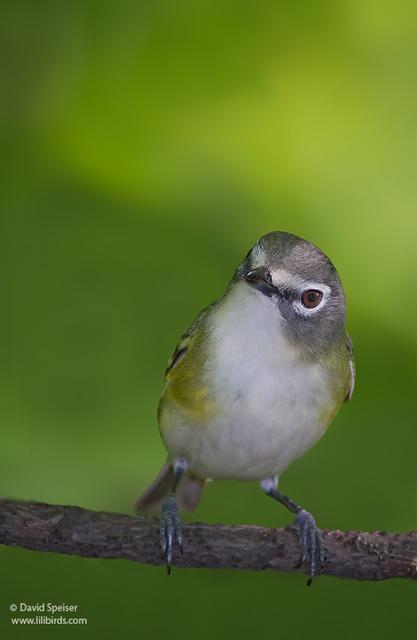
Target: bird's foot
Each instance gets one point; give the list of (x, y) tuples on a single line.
[(170, 530), (311, 542)]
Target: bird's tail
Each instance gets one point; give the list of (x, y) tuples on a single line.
[(188, 492)]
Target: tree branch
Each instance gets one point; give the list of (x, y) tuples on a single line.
[(95, 534)]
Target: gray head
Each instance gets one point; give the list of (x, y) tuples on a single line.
[(300, 280)]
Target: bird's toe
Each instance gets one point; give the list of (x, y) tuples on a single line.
[(170, 530), (311, 542)]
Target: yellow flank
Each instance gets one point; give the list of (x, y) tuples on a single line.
[(327, 414), (193, 401), (187, 392), (340, 375)]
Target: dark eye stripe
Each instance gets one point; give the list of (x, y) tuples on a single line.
[(286, 293)]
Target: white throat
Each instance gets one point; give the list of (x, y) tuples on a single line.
[(249, 329)]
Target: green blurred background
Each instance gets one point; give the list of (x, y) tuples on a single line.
[(146, 147)]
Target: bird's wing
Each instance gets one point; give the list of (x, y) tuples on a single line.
[(185, 342), (352, 367), (190, 487)]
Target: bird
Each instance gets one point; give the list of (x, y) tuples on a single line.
[(253, 384)]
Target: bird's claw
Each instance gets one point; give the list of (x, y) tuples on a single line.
[(170, 531), (311, 542)]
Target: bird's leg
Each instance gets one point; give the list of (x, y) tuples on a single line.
[(170, 530), (309, 534)]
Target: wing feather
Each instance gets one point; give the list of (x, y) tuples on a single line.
[(185, 342), (352, 367)]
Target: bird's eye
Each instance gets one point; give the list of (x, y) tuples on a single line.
[(311, 298)]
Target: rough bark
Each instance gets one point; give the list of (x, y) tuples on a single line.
[(94, 534)]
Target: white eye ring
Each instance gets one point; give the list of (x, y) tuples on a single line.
[(301, 309)]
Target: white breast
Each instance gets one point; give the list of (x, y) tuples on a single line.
[(269, 400)]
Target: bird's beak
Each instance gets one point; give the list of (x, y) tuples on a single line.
[(260, 279)]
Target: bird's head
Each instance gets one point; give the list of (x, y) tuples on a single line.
[(303, 285)]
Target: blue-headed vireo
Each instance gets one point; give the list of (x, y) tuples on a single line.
[(254, 383)]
